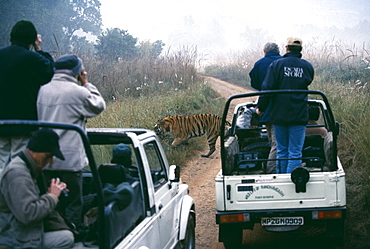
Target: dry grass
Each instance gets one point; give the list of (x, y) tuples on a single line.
[(144, 111)]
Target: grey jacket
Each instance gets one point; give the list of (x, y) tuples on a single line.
[(63, 100), (22, 209)]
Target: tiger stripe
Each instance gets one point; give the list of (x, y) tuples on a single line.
[(184, 128)]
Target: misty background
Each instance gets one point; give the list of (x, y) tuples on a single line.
[(220, 27), (216, 28)]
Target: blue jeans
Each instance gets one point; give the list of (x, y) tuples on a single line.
[(289, 143)]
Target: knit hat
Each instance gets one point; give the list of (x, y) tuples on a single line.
[(69, 62), (294, 41), (23, 33), (122, 154), (45, 140)]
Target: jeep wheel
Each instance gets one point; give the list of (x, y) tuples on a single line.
[(335, 232), (189, 241), (232, 237)]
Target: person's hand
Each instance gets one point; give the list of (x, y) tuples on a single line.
[(259, 112), (37, 43), (56, 186), (82, 77)]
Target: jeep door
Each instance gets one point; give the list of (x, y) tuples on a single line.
[(165, 199)]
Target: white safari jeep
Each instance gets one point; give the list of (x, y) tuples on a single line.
[(142, 205), (313, 194)]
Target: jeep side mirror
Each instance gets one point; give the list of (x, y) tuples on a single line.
[(174, 174), (337, 128)]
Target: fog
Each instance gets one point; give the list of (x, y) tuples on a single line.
[(222, 26)]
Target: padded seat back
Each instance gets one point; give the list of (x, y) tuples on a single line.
[(314, 147), (112, 173)]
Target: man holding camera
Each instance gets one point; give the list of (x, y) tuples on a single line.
[(22, 72), (22, 209), (69, 98)]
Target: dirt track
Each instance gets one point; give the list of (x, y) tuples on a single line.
[(199, 174)]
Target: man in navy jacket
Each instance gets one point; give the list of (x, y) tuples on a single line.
[(22, 72), (288, 111), (258, 74), (259, 70)]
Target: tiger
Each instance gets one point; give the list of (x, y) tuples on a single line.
[(184, 128)]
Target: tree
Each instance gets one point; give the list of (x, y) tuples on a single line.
[(116, 44), (157, 48), (152, 50), (56, 21)]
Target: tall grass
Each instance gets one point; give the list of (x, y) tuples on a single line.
[(140, 92), (144, 111), (174, 70), (351, 107)]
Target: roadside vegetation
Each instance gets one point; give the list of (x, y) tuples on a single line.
[(342, 72), (141, 90)]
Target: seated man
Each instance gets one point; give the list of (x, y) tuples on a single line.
[(122, 155), (118, 171), (22, 209), (313, 117)]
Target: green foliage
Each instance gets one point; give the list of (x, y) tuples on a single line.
[(57, 21), (350, 105), (139, 92), (151, 50), (144, 111), (116, 44)]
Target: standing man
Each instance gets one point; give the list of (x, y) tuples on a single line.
[(257, 76), (289, 113), (22, 209), (69, 98), (22, 72), (259, 70)]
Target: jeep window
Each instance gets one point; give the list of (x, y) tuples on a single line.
[(157, 168)]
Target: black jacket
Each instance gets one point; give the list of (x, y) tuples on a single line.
[(290, 72), (22, 72), (259, 70)]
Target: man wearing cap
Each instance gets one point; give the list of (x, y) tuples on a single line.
[(22, 72), (121, 154), (22, 209), (69, 98), (289, 113)]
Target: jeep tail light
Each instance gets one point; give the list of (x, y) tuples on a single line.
[(229, 218), (329, 214)]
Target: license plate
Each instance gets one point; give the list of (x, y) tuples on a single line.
[(282, 221)]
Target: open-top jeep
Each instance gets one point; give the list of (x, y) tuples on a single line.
[(313, 194), (143, 205)]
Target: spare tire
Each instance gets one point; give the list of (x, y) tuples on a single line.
[(263, 150), (262, 147)]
